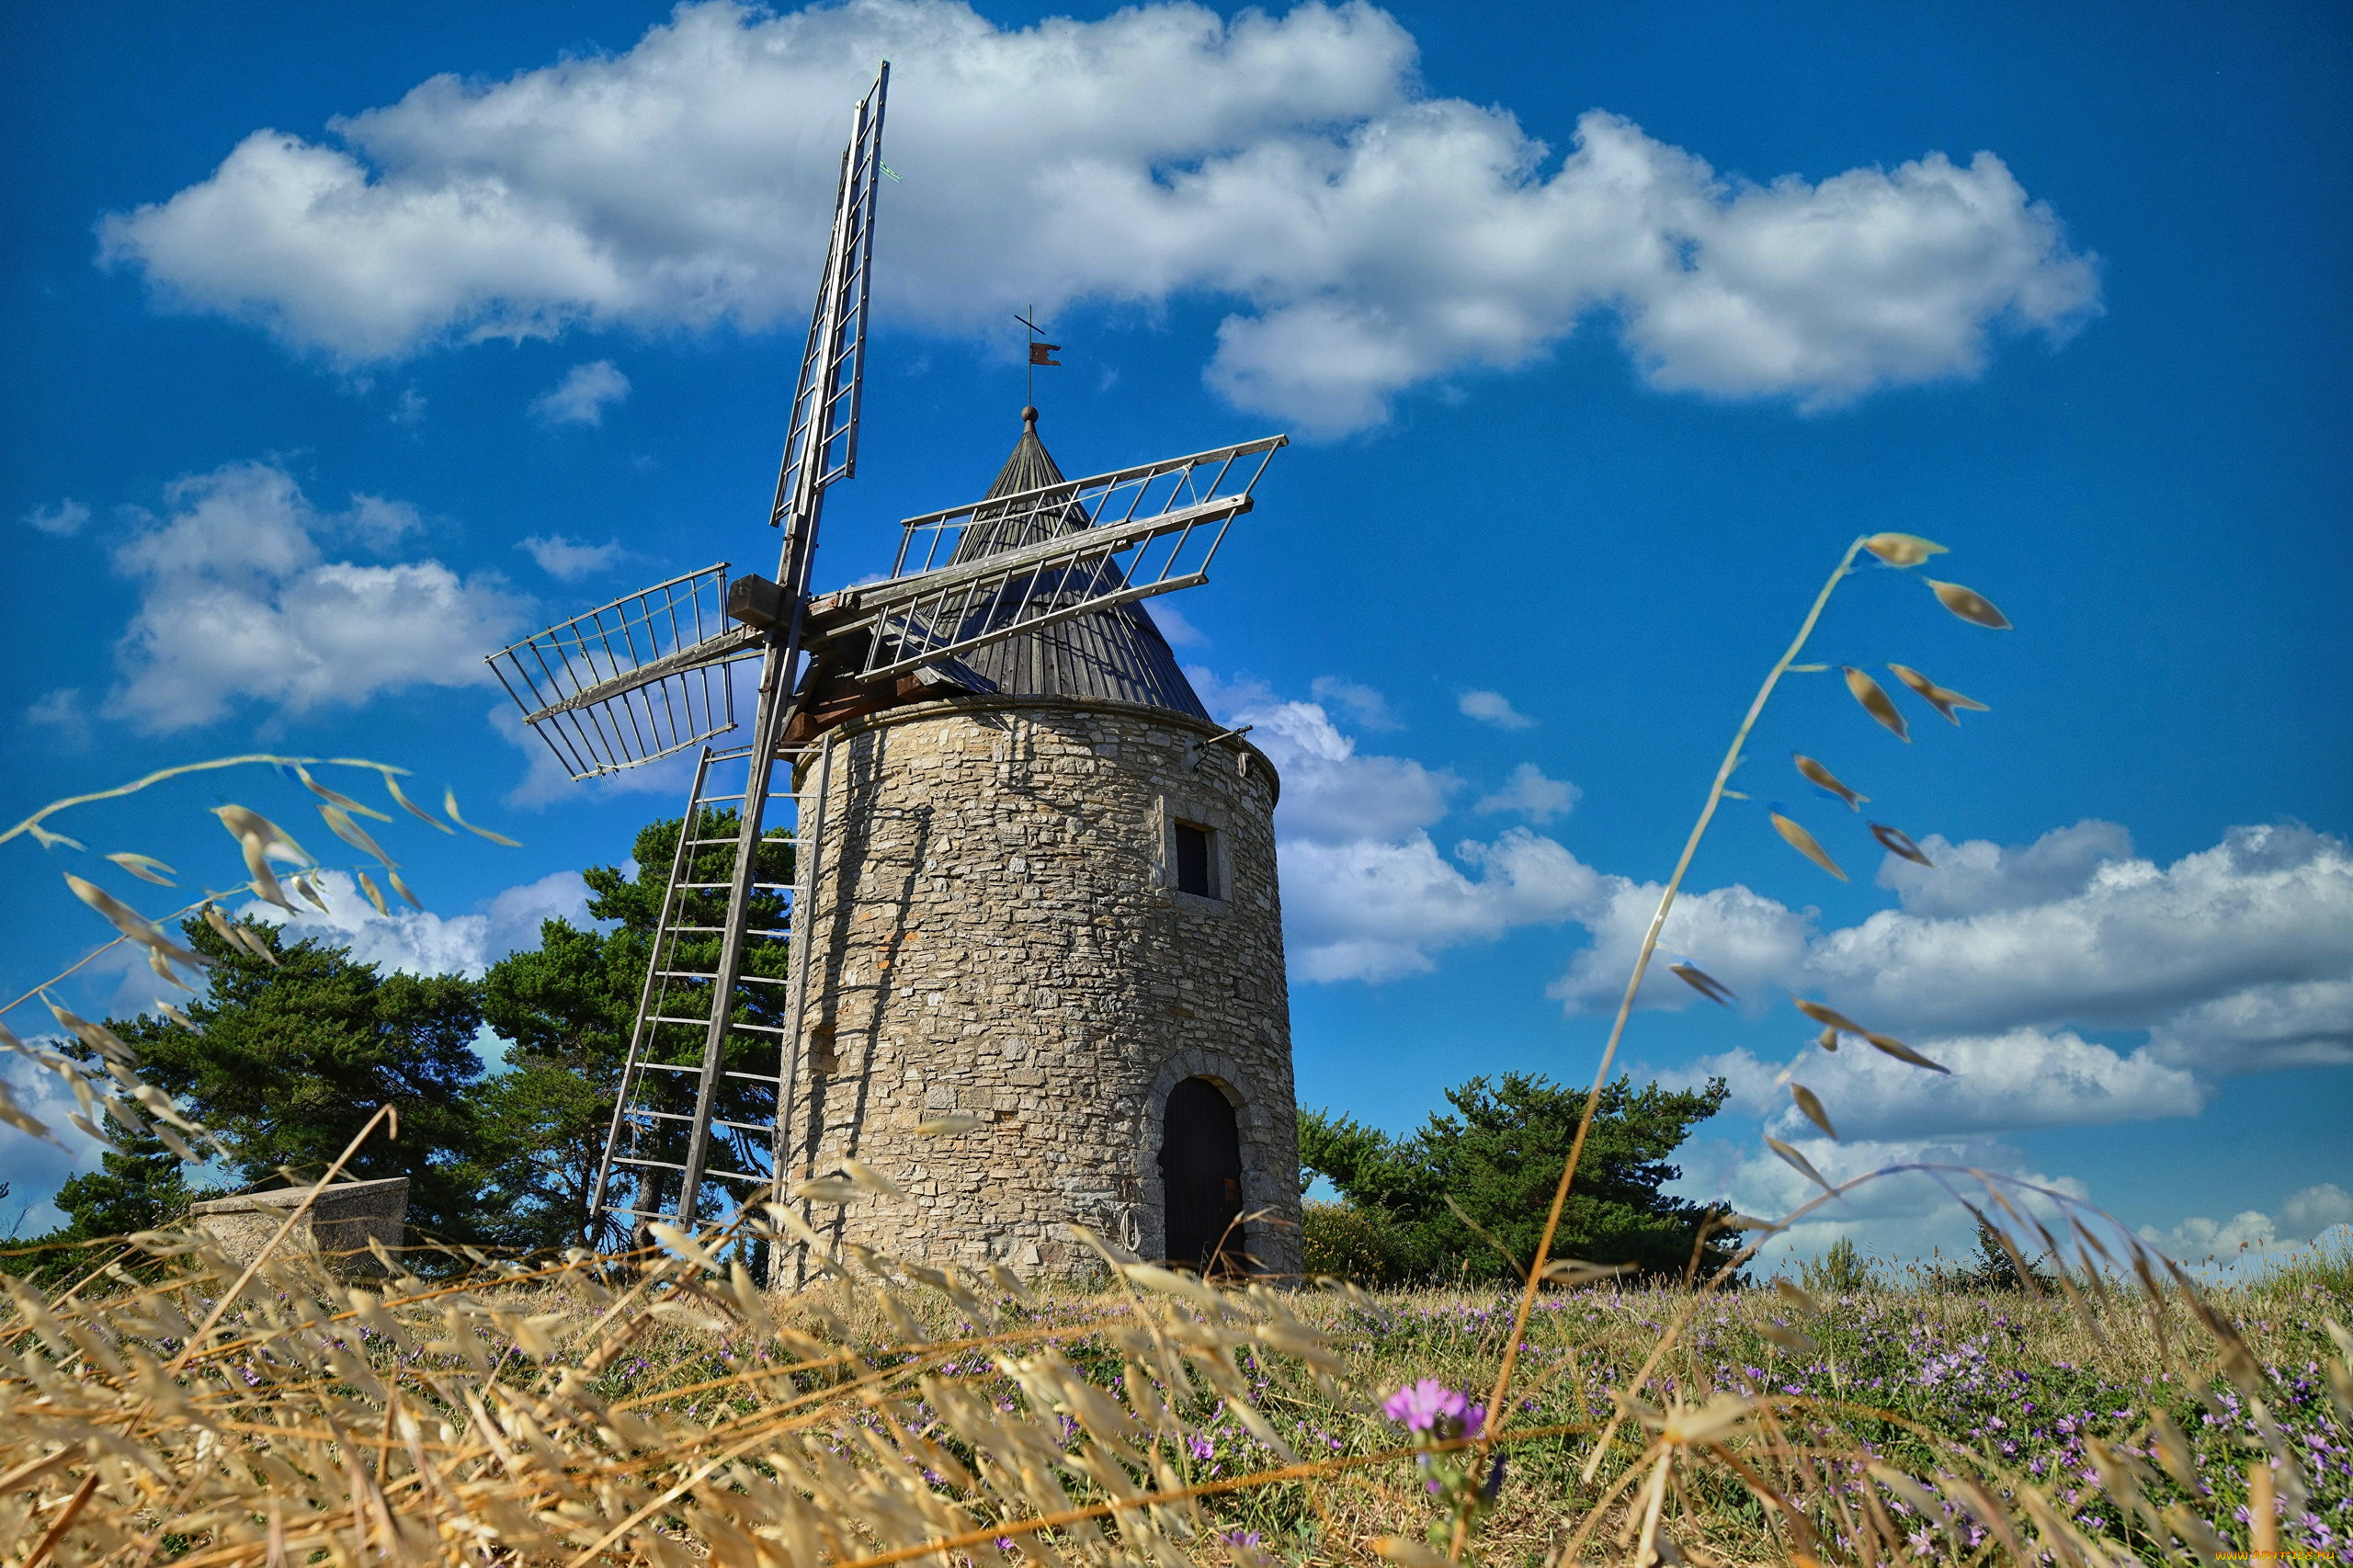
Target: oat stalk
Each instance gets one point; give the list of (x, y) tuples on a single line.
[(1499, 1410)]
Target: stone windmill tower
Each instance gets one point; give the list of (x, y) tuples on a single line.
[(1048, 900), (988, 902)]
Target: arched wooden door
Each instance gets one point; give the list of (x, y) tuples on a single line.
[(1200, 1173)]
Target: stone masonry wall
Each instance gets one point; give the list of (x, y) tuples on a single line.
[(997, 933)]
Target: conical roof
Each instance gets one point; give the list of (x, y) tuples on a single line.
[(1116, 654)]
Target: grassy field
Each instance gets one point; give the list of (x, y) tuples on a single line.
[(592, 1413), (166, 1404)]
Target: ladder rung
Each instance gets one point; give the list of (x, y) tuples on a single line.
[(656, 1165), (766, 1078), (763, 1028), (665, 1018), (742, 980), (656, 1115), (671, 1067), (712, 929), (716, 887), (707, 799), (745, 1126), (737, 1175)]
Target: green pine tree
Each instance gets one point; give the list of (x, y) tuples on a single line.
[(290, 1061), (1498, 1158), (143, 1188)]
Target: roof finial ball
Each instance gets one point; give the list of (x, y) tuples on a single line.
[(1029, 415)]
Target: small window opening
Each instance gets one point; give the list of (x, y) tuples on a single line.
[(1195, 866)]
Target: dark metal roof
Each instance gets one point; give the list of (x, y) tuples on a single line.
[(1116, 653)]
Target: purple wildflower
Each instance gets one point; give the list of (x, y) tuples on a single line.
[(1420, 1406), (1430, 1407)]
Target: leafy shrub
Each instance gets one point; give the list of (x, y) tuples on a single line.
[(1343, 1241), (1841, 1271), (1470, 1187), (1995, 1270)]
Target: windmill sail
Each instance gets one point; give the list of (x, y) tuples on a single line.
[(632, 680), (1012, 564), (639, 678), (698, 1121), (627, 683), (821, 441)]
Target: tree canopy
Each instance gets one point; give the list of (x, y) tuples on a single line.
[(1499, 1157), (291, 1059), (140, 1185)]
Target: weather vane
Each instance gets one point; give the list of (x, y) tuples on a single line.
[(1040, 353)]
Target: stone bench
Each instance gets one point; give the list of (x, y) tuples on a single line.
[(347, 1216)]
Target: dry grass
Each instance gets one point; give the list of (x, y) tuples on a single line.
[(171, 1406), (590, 1412)]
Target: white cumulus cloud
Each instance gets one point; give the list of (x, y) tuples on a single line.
[(1741, 937), (1370, 909), (568, 560), (1371, 238), (1979, 876), (64, 519), (238, 601), (1367, 892), (582, 397), (413, 942), (1332, 793), (1532, 795), (2233, 960), (2026, 1078), (2288, 1024), (2253, 1238), (2133, 945), (1493, 707)]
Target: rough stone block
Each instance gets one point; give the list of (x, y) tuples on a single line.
[(337, 1230)]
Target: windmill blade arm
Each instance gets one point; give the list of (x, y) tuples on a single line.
[(821, 435), (736, 642), (852, 608), (911, 662), (632, 680), (908, 623), (1091, 493)]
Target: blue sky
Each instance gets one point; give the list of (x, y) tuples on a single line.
[(346, 349)]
